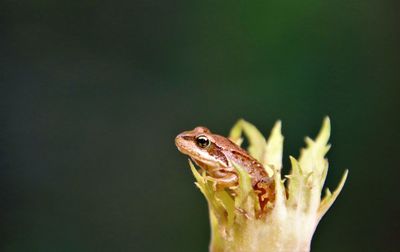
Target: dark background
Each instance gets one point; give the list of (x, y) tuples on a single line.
[(94, 92)]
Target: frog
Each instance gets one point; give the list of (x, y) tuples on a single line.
[(216, 156)]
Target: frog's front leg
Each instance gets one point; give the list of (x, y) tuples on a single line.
[(224, 179)]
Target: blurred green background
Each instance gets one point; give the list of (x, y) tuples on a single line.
[(94, 92)]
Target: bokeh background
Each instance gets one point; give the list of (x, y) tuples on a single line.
[(94, 92)]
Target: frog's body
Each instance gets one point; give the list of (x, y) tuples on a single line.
[(215, 154)]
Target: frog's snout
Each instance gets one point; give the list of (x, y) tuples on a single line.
[(179, 141), (183, 142)]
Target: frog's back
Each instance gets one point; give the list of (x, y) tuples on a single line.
[(240, 156)]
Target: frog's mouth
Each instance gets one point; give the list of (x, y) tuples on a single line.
[(198, 162), (183, 149)]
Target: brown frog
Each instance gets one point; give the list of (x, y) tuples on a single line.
[(215, 154)]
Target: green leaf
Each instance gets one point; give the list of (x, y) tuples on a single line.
[(312, 157), (246, 198), (274, 148), (329, 198), (219, 202)]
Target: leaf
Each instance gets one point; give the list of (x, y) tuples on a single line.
[(312, 157), (297, 185), (274, 148), (329, 198), (246, 198), (219, 201)]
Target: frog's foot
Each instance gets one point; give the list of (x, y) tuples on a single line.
[(242, 211), (214, 182), (232, 193), (234, 188), (223, 180)]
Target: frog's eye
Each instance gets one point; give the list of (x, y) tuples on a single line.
[(202, 141)]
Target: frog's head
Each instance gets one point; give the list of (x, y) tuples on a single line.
[(199, 144)]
